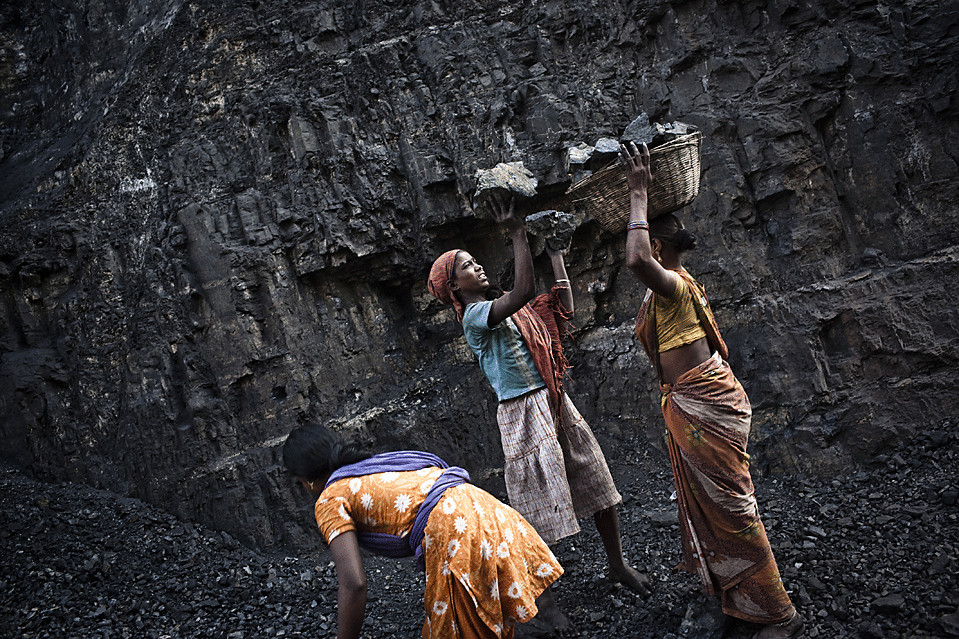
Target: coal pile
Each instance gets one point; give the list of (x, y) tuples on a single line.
[(872, 553)]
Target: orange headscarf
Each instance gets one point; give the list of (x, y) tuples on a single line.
[(441, 274)]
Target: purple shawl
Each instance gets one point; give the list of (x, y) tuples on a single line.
[(391, 545)]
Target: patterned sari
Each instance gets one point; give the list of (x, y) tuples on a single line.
[(708, 419), (485, 565)]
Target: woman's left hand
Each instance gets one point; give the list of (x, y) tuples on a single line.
[(551, 252)]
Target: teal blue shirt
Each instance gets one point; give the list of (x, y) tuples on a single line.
[(502, 353)]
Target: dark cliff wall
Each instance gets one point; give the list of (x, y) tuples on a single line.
[(217, 221)]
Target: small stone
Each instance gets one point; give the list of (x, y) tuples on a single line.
[(639, 131), (605, 151), (663, 518), (938, 438), (815, 584), (939, 564), (950, 624), (871, 630), (579, 154), (703, 621), (606, 145), (889, 604)]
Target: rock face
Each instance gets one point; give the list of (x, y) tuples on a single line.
[(217, 221)]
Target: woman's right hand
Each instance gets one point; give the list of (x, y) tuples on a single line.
[(639, 172), (503, 212)]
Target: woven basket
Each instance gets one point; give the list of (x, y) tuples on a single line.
[(604, 195)]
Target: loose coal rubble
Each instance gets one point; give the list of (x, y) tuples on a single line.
[(583, 159), (869, 554), (641, 131)]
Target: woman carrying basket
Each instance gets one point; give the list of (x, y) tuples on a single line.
[(707, 416)]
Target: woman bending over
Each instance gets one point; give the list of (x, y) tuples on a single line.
[(485, 566)]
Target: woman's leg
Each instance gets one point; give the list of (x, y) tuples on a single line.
[(593, 491), (607, 523)]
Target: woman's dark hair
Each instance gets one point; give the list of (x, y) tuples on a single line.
[(667, 228), (312, 451)]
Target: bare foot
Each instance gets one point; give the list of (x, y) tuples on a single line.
[(535, 628), (549, 612), (632, 579), (554, 618), (789, 629)]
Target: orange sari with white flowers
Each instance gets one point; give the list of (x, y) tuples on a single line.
[(485, 565)]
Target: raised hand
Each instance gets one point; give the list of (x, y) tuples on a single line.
[(523, 283), (639, 173), (555, 253), (504, 213)]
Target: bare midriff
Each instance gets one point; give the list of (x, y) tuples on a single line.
[(677, 361)]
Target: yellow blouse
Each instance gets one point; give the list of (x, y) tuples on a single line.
[(676, 321)]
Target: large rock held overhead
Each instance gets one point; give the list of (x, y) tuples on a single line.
[(510, 179)]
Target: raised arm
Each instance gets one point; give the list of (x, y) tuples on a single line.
[(559, 275), (351, 591), (523, 284), (639, 252)]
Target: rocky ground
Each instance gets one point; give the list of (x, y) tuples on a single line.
[(873, 553)]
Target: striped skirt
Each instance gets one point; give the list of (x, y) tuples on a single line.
[(555, 471)]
